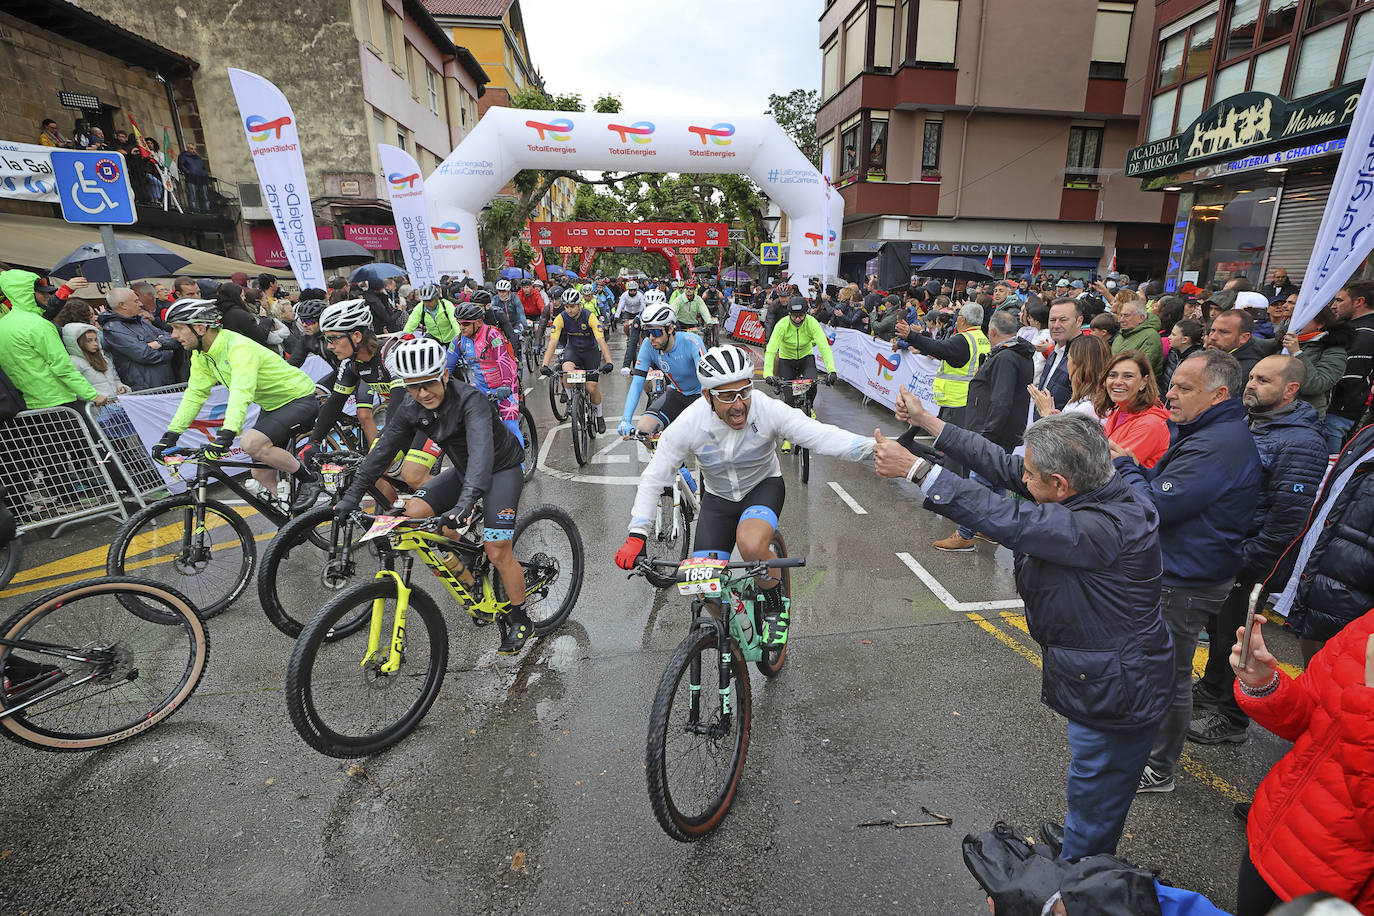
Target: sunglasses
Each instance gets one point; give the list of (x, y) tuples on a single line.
[(655, 333), (331, 338), (468, 324), (414, 387), (730, 397)]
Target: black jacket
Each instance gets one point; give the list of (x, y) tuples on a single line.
[(1247, 354), (466, 426), (997, 397), (238, 319), (1351, 394), (1293, 455), (1089, 571), (955, 349)]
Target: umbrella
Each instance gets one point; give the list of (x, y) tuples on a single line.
[(556, 270), (342, 252), (952, 267), (375, 272), (515, 273), (735, 274), (138, 257), (704, 269)]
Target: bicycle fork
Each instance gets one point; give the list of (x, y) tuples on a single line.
[(398, 624), (724, 676)]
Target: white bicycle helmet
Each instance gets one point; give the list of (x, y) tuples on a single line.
[(194, 311), (538, 284), (571, 296), (421, 357), (655, 297), (427, 291), (632, 286), (503, 286), (348, 315), (723, 365), (658, 315), (588, 290)]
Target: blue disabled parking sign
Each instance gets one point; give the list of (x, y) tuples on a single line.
[(94, 187)]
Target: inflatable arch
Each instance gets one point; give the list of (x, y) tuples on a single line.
[(507, 140)]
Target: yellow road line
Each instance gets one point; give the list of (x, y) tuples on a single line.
[(1015, 645)]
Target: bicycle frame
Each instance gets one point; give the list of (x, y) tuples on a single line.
[(208, 469), (45, 688)]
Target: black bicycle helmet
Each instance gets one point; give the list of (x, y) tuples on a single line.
[(481, 297), (310, 309), (468, 311)]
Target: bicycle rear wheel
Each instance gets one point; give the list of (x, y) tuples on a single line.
[(694, 758), (670, 539), (548, 546), (531, 434), (139, 671), (295, 558), (162, 538), (582, 443), (773, 659), (344, 708), (560, 410)]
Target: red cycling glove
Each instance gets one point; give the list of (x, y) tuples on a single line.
[(630, 551)]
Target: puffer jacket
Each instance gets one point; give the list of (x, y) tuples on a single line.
[(1089, 572), (998, 401), (141, 366), (1292, 452), (107, 382), (1338, 582), (1145, 339), (31, 351), (1312, 824)]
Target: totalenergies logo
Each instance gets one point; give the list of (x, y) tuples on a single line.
[(886, 367), (639, 131), (403, 182), (720, 134), (558, 130), (446, 232), (259, 127)]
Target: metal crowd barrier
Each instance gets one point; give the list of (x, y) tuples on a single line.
[(127, 453), (53, 468)]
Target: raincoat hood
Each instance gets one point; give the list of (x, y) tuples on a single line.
[(18, 288), (71, 334)]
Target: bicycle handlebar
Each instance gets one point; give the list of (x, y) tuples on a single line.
[(646, 564)]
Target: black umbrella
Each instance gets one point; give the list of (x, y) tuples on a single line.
[(342, 252), (137, 257), (952, 267)]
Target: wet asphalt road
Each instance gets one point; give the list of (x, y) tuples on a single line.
[(894, 697)]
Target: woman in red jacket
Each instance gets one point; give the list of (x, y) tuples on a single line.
[(1312, 825), (1129, 399)]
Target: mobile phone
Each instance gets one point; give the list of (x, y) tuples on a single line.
[(1250, 624)]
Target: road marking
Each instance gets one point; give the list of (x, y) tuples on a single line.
[(849, 501), (1015, 645), (609, 459), (577, 477), (955, 605)]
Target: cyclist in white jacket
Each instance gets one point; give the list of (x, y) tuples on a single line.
[(734, 431)]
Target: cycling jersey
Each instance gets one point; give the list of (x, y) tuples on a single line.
[(488, 366), (679, 367), (630, 306), (582, 332), (734, 461), (691, 312), (438, 322), (792, 342), (532, 302), (514, 312), (252, 373), (351, 373)]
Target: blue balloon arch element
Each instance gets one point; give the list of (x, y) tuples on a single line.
[(508, 140)]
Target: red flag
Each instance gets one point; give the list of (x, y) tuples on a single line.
[(720, 260), (988, 263), (1113, 267), (691, 265), (510, 258), (538, 264), (1035, 263), (1006, 264), (563, 257)]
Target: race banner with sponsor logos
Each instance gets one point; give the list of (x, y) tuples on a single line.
[(26, 172), (877, 372), (630, 235), (507, 140), (746, 324), (270, 126), (407, 191)]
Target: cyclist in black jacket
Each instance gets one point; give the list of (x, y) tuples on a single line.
[(486, 459)]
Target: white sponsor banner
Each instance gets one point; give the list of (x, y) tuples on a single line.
[(877, 372), (26, 172), (270, 126), (507, 140), (1346, 235), (407, 190), (151, 414)]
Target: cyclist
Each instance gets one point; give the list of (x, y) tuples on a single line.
[(486, 465), (692, 313), (310, 340), (673, 353), (363, 373), (792, 343), (496, 317), (532, 299), (733, 431), (584, 337), (605, 300), (479, 348), (627, 311), (514, 312), (254, 375), (590, 301), (433, 315)]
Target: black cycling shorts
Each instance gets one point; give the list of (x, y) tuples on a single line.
[(499, 504), (588, 358), (795, 368), (720, 517), (292, 419), (669, 405)]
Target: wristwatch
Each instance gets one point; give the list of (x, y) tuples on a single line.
[(919, 471)]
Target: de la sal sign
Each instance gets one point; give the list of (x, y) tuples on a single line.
[(630, 235), (1249, 121)]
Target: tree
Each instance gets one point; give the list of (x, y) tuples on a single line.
[(796, 115)]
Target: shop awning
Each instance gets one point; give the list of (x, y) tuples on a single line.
[(38, 243)]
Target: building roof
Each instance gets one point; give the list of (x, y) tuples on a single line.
[(84, 28), (485, 9), (444, 41)]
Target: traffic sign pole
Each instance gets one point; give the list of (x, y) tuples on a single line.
[(107, 239)]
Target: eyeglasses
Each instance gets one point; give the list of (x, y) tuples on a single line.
[(414, 387), (331, 338), (730, 397), (655, 333)]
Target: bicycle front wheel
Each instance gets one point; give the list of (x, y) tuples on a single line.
[(120, 673), (670, 539), (548, 547), (212, 565), (560, 410), (344, 704), (531, 434), (295, 558), (698, 736), (582, 443)]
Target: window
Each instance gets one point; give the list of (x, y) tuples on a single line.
[(903, 21), (389, 34), (930, 149), (1171, 59), (1269, 67), (1199, 58), (855, 39), (1317, 59), (1361, 50), (1161, 116), (1085, 149), (1190, 99), (828, 153), (378, 127), (362, 18), (877, 145), (849, 145), (1279, 19), (1240, 26), (830, 68), (937, 26), (1326, 10), (402, 137), (883, 17), (432, 84), (1112, 33)]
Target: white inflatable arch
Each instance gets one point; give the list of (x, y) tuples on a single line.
[(507, 140)]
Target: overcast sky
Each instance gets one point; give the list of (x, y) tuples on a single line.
[(714, 57)]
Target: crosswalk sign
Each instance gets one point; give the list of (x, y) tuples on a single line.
[(770, 254)]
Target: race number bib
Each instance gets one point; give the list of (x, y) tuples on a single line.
[(700, 576), (576, 377)]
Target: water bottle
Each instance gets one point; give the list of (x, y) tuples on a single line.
[(455, 565), (745, 620)]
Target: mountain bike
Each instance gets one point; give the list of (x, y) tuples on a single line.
[(355, 695), (801, 394), (558, 394), (699, 723), (532, 345), (528, 431), (671, 535), (79, 671), (580, 412)]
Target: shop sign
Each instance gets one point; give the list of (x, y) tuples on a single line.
[(1245, 121), (268, 250), (1278, 158), (923, 247), (374, 238)]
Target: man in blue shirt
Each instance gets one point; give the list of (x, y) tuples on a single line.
[(673, 353)]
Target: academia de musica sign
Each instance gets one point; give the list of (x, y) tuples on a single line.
[(1246, 121)]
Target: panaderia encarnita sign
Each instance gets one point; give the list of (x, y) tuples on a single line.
[(1245, 121)]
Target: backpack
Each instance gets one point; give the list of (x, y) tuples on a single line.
[(11, 398)]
